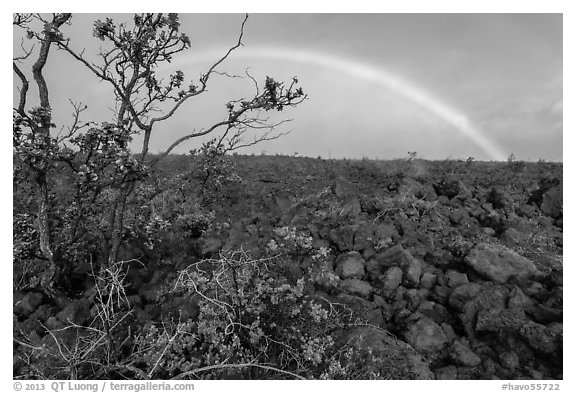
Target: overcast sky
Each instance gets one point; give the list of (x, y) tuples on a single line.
[(379, 85)]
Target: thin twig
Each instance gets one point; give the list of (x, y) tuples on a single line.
[(243, 365)]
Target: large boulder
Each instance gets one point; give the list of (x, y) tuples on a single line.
[(356, 287), (552, 202), (392, 280), (499, 263), (395, 256), (426, 336), (350, 265), (412, 269)]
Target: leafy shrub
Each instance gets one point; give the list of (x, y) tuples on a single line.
[(253, 323), (194, 224), (215, 171), (25, 236), (292, 241), (514, 164)]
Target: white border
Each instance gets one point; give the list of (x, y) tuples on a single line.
[(308, 6)]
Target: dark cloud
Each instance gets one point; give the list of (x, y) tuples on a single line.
[(503, 72)]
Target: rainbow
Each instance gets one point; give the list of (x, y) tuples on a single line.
[(368, 73)]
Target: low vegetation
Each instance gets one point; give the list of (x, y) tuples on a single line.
[(263, 283)]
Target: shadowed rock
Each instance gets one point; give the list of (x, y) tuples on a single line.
[(545, 339), (462, 355)]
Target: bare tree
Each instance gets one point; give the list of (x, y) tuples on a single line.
[(128, 61)]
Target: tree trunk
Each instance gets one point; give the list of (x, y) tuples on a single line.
[(44, 233), (118, 224), (43, 131)]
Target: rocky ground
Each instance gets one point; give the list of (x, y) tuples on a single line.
[(459, 264)]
